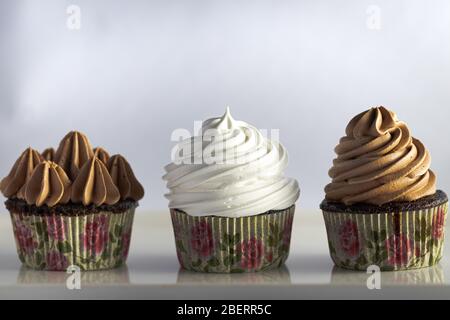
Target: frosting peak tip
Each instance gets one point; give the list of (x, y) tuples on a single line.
[(226, 121), (73, 152), (102, 154), (13, 184), (123, 177)]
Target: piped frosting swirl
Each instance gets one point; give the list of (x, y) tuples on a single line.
[(77, 175), (230, 170), (124, 178), (48, 185), (94, 185), (12, 185), (102, 154), (48, 154), (73, 152), (378, 161)]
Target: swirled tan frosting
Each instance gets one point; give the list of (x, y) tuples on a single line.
[(74, 173), (124, 178), (94, 185), (102, 154), (48, 154), (48, 185), (379, 162), (12, 185), (73, 152)]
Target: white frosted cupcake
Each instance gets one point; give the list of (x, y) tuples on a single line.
[(231, 205)]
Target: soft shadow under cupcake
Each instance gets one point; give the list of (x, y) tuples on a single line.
[(274, 276), (88, 278), (424, 276)]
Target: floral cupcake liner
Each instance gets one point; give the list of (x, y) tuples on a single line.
[(90, 241), (392, 241), (233, 245)]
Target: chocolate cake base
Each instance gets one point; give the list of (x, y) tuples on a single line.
[(70, 209), (434, 200)]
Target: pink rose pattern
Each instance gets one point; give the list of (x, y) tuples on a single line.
[(391, 249), (56, 261), (269, 256), (400, 249), (95, 235), (24, 236), (252, 253), (202, 239), (201, 248), (126, 241), (349, 238), (56, 228), (45, 243), (438, 224)]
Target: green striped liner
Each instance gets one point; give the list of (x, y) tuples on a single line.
[(233, 245), (392, 240)]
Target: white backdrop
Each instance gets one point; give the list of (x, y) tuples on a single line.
[(136, 70)]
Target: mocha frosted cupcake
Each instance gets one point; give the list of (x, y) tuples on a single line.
[(69, 207), (231, 205), (382, 207)]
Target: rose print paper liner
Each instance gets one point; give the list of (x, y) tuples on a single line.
[(392, 241), (233, 245), (92, 241)]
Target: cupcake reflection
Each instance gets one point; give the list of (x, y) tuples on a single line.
[(114, 276), (423, 276), (274, 276)]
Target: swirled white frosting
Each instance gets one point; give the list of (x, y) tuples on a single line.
[(229, 170)]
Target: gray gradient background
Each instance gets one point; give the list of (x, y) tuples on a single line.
[(139, 69)]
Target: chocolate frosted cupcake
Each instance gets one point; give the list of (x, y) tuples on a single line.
[(231, 205), (382, 207), (72, 207)]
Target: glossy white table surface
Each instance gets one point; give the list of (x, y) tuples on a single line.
[(152, 271)]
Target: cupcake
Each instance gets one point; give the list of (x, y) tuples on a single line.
[(72, 206), (231, 205), (382, 207)]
